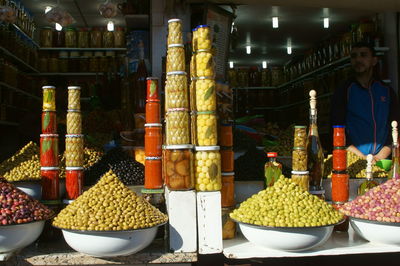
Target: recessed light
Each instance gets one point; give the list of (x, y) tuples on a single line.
[(264, 64), (275, 22), (326, 23), (289, 49), (110, 26), (230, 64), (58, 27), (248, 49), (47, 9)]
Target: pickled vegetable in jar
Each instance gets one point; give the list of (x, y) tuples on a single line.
[(176, 58), (225, 135), (301, 178), (153, 173), (204, 40), (176, 91), (208, 168), (300, 136), (70, 38), (192, 94), (193, 123), (340, 186), (152, 112), (175, 31), (74, 122), (152, 89), (178, 167), (108, 39), (49, 150), (206, 127), (49, 98), (339, 161), (205, 64), (299, 159), (83, 38), (228, 189), (177, 127), (50, 183), (205, 94), (58, 38), (74, 150), (153, 140), (49, 122), (339, 136), (46, 37), (192, 66), (73, 182), (119, 37), (272, 169), (95, 38), (74, 97)]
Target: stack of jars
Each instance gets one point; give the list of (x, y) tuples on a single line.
[(49, 146), (153, 137), (178, 151), (74, 145), (300, 175)]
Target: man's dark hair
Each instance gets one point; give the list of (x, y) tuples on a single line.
[(368, 45)]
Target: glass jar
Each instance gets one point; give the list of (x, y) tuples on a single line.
[(177, 127), (58, 38), (228, 189), (299, 159), (119, 37), (73, 182), (176, 58), (46, 37), (227, 159), (272, 169), (176, 94), (49, 150), (83, 38), (205, 95), (74, 150), (178, 167), (108, 39), (339, 161), (300, 136), (153, 140), (96, 38), (175, 31), (243, 77), (225, 135), (50, 183), (53, 64), (204, 40), (208, 168), (84, 64), (152, 90), (49, 122), (339, 137), (206, 127), (63, 64), (70, 38), (340, 186), (74, 122), (153, 173), (301, 178), (205, 66), (49, 98), (152, 112)]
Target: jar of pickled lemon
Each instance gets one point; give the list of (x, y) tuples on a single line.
[(176, 90), (204, 64), (204, 40), (205, 94), (177, 126), (206, 127), (175, 31), (176, 58), (208, 168)]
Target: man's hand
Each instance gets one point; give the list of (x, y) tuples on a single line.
[(356, 151), (382, 154)]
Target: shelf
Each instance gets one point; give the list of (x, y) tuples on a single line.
[(2, 84), (6, 123), (381, 49), (139, 21), (70, 74), (18, 60), (81, 49), (26, 35), (255, 88)]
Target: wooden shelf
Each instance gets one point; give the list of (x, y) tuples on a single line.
[(18, 60), (81, 49), (2, 84), (6, 123)]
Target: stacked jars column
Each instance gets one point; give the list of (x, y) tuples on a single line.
[(299, 157), (74, 150), (207, 168), (152, 101), (176, 91), (340, 177), (74, 182), (175, 31), (178, 167)]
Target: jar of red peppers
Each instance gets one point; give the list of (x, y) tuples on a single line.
[(225, 135), (153, 173), (49, 150), (339, 136), (49, 122), (340, 186), (73, 182), (152, 89), (152, 112), (153, 139), (339, 159), (50, 183)]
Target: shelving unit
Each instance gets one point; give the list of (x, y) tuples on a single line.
[(81, 49), (2, 84), (26, 35), (18, 60)]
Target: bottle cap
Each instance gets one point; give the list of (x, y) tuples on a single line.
[(272, 154)]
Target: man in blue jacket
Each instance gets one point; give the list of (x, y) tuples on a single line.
[(365, 106)]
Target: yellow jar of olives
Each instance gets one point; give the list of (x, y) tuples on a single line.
[(176, 90), (206, 128), (208, 168), (205, 94), (204, 64), (300, 136), (175, 31), (302, 178), (177, 126), (175, 58), (204, 40), (299, 159)]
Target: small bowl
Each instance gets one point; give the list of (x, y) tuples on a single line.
[(110, 243), (32, 188), (287, 238), (18, 236), (375, 231), (385, 164)]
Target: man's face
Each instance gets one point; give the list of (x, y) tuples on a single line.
[(362, 60)]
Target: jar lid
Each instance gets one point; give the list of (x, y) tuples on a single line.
[(194, 78), (195, 29), (73, 168), (272, 154), (49, 168), (74, 135), (176, 45), (206, 113), (178, 147), (153, 125), (74, 87), (300, 172), (151, 78), (343, 172), (317, 192), (227, 173), (203, 51), (300, 126), (340, 148), (205, 78), (338, 126), (174, 20), (73, 111), (176, 73), (49, 135), (153, 158), (48, 88), (299, 148), (338, 202), (207, 148), (202, 26), (177, 110), (67, 201)]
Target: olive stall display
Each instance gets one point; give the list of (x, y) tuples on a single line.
[(176, 90), (208, 168), (205, 94), (285, 204), (109, 206), (178, 167)]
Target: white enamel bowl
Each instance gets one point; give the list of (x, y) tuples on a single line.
[(32, 188), (379, 232), (18, 236)]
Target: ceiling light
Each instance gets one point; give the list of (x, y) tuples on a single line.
[(110, 26), (264, 64), (289, 49), (47, 9), (326, 23), (275, 22), (230, 64), (58, 27), (248, 49)]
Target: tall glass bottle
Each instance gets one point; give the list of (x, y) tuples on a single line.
[(315, 155), (272, 169), (395, 170)]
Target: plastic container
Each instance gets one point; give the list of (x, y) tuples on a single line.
[(302, 178), (49, 150), (49, 98), (178, 167), (175, 58), (152, 112), (299, 159), (153, 140), (340, 186), (153, 173), (208, 168), (74, 150), (339, 161), (206, 127), (73, 182), (227, 159), (300, 136), (74, 97), (205, 94), (74, 122), (176, 90), (204, 40), (153, 94), (50, 183), (225, 135), (205, 64), (177, 127), (228, 189), (49, 122), (175, 31), (339, 136)]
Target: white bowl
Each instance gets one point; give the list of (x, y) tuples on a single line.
[(379, 232), (14, 237), (32, 188), (110, 243), (287, 238)]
